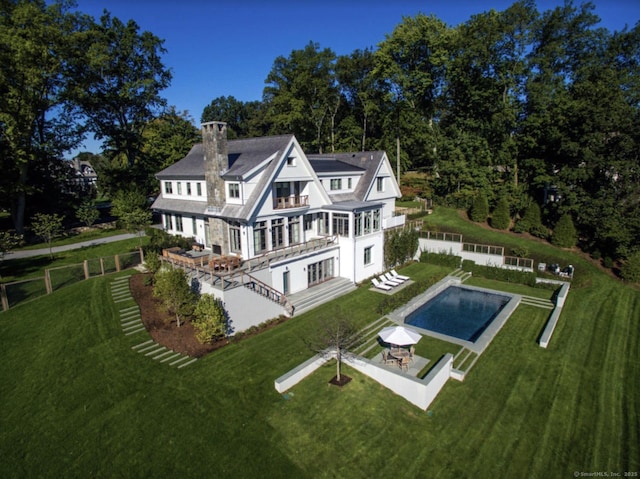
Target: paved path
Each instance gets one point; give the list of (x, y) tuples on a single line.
[(56, 249)]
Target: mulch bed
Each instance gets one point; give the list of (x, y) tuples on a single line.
[(162, 326), (344, 380)]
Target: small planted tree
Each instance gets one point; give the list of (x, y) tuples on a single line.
[(336, 332), (132, 212), (47, 227), (479, 208), (564, 234), (501, 217), (172, 287), (8, 241), (210, 320), (87, 213)]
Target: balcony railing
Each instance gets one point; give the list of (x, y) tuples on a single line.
[(283, 202)]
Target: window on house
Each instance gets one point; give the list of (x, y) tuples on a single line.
[(179, 188), (291, 161), (308, 222), (194, 226), (367, 255), (380, 184), (179, 222), (168, 222), (188, 188), (323, 223), (358, 224), (336, 184), (168, 187), (199, 189), (234, 190), (294, 230), (349, 183), (367, 222), (260, 236), (376, 220), (234, 237), (341, 224), (277, 233)]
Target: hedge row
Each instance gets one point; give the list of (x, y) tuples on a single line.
[(441, 259), (499, 274)]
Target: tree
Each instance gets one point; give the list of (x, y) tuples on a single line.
[(37, 121), (564, 233), (130, 207), (480, 208), (8, 241), (87, 212), (501, 217), (630, 270), (334, 333), (47, 227), (117, 84), (210, 320), (172, 287)]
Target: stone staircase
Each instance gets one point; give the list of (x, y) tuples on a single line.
[(319, 294)]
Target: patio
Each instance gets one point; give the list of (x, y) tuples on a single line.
[(418, 364)]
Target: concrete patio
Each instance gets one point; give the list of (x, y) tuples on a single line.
[(415, 366)]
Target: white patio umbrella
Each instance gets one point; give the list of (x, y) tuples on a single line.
[(399, 335)]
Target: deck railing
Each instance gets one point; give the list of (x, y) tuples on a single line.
[(298, 201)]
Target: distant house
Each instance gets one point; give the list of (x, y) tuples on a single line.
[(85, 174), (295, 220)]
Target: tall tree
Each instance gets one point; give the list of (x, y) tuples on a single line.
[(117, 84), (242, 118), (300, 94), (37, 123)]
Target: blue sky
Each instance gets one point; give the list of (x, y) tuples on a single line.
[(216, 48)]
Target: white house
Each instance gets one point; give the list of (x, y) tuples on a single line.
[(295, 220)]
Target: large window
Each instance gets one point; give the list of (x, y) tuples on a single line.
[(234, 190), (336, 184), (234, 237), (194, 226), (294, 230), (168, 187), (277, 233), (308, 222), (168, 222), (367, 255), (319, 272), (367, 222), (341, 224), (179, 222), (323, 223), (260, 236)]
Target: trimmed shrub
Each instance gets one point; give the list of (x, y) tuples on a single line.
[(400, 246), (501, 274), (479, 208), (210, 320), (564, 234), (501, 217), (389, 303)]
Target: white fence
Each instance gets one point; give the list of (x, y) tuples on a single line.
[(545, 337)]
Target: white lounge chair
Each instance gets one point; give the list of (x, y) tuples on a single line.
[(379, 285), (399, 276), (388, 282), (388, 277)]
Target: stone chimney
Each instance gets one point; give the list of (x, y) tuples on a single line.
[(216, 160)]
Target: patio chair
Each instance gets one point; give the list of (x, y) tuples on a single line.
[(412, 352), (388, 277), (404, 364), (387, 282), (388, 359), (399, 276), (379, 285)]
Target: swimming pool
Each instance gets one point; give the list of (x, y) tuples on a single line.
[(459, 312)]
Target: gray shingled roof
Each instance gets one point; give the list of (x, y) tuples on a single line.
[(369, 161), (330, 165), (244, 156)]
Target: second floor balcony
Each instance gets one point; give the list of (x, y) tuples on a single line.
[(294, 201)]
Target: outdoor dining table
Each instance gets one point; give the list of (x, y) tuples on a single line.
[(400, 353)]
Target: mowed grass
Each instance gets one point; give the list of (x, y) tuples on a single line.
[(79, 402)]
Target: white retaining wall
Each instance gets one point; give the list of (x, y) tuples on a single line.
[(420, 392), (545, 338)]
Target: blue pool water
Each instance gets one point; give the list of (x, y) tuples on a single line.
[(458, 312)]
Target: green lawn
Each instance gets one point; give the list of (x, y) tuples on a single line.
[(79, 402)]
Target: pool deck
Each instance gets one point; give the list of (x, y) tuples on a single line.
[(399, 315)]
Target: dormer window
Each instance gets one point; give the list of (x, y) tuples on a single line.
[(336, 184), (168, 187), (234, 190)]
